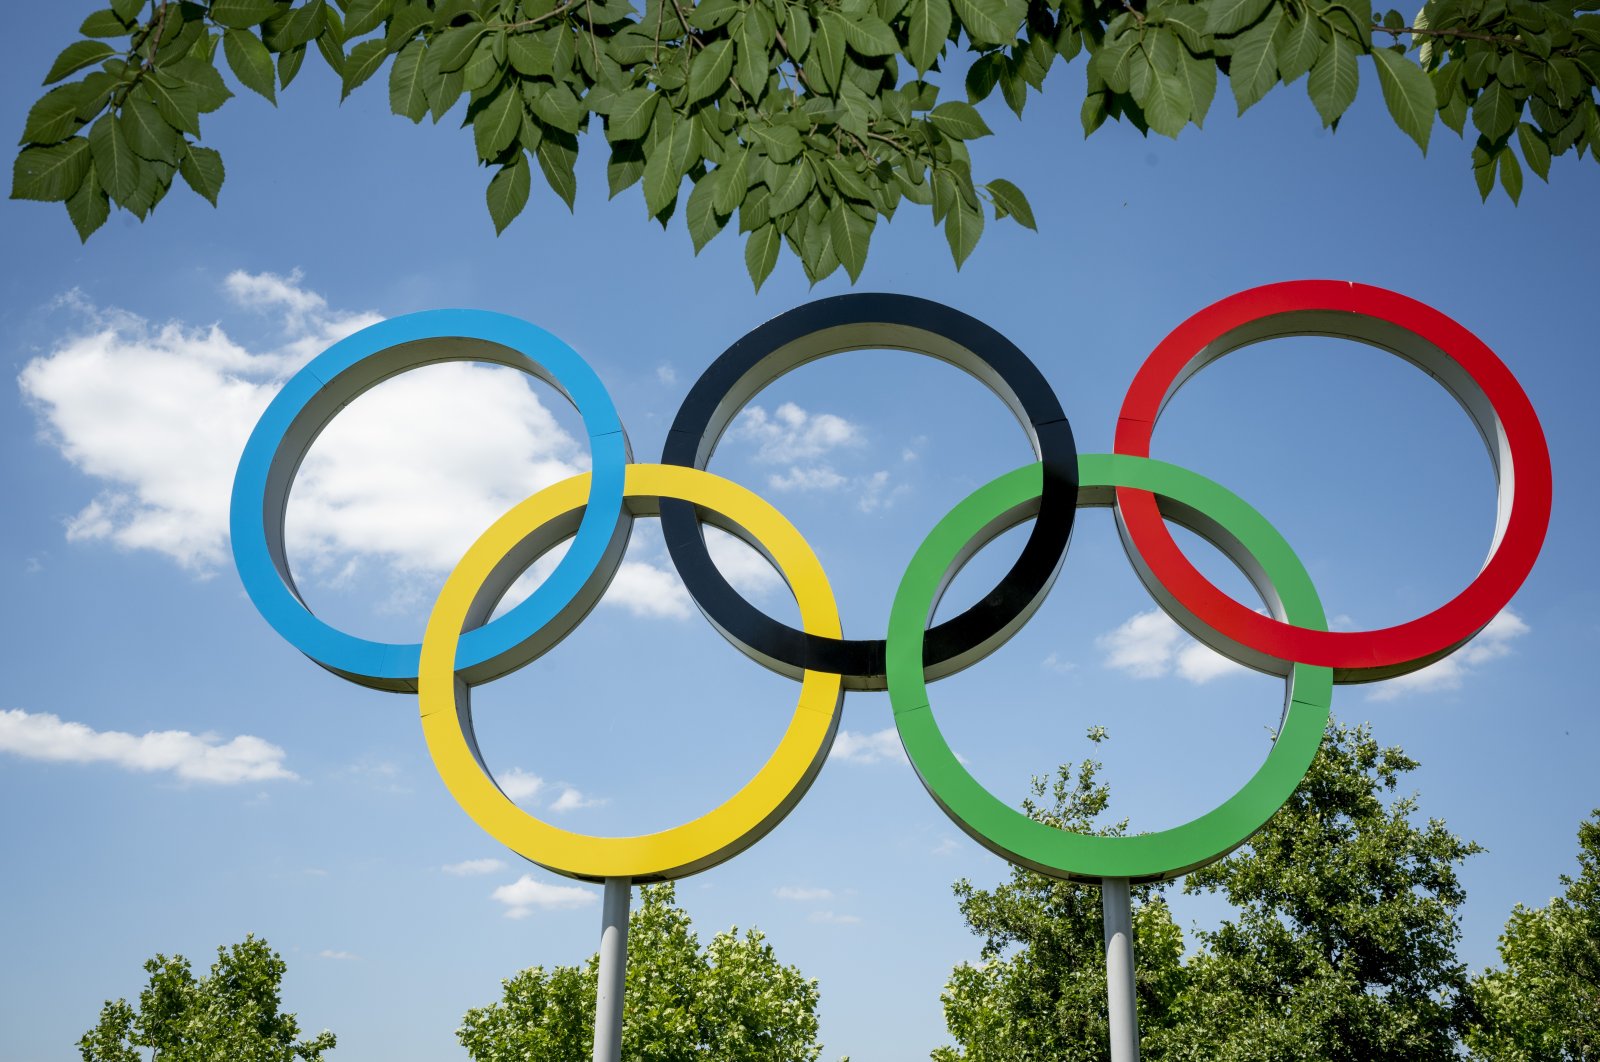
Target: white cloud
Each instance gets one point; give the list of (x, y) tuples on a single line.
[(877, 747), (946, 846), (191, 757), (649, 592), (802, 893), (816, 477), (791, 434), (1149, 645), (572, 800), (1053, 662), (525, 894), (519, 785), (329, 953), (473, 867), (1491, 643), (834, 918), (666, 374)]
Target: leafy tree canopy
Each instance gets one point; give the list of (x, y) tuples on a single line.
[(807, 120), (1343, 948), (1545, 1003), (730, 1000), (231, 1013)]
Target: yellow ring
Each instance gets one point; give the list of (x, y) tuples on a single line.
[(721, 833)]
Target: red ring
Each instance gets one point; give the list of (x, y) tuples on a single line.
[(1302, 308)]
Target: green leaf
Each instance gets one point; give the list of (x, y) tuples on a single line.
[(363, 62), (630, 114), (780, 142), (792, 188), (406, 92), (962, 227), (127, 10), (88, 207), (624, 168), (555, 105), (364, 16), (529, 55), (105, 23), (1224, 17), (1334, 79), (928, 27), (508, 191), (1009, 200), (991, 21), (452, 48), (148, 133), (827, 51), (753, 59), (242, 14), (177, 103), (761, 253), (1534, 150), (200, 76), (75, 57), (495, 125), (1200, 80), (202, 169), (1298, 45), (1495, 112), (50, 174), (731, 186), (869, 35), (1166, 101), (1253, 69), (960, 120), (708, 75), (1510, 174), (701, 215), (846, 181), (54, 117), (300, 26), (250, 61), (1408, 93), (850, 233), (558, 157), (661, 173), (114, 160)]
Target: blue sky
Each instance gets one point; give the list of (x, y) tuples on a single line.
[(176, 776)]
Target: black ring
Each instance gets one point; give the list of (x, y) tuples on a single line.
[(856, 322)]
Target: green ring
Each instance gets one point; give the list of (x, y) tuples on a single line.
[(1207, 509)]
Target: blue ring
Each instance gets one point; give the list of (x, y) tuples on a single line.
[(336, 377)]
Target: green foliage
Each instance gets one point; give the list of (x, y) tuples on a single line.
[(730, 1000), (1038, 991), (832, 103), (231, 1013), (1343, 947), (1545, 1003)]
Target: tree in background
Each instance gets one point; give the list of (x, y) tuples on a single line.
[(1038, 993), (1545, 1003), (1344, 947), (808, 119), (231, 1013), (731, 1000)]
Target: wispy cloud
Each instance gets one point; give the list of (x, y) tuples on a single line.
[(1492, 643), (1054, 662), (1150, 646), (834, 918), (471, 868), (519, 785), (790, 433), (802, 893), (946, 846), (191, 757), (526, 895), (877, 747), (329, 953), (573, 800)]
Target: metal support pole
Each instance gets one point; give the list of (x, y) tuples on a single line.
[(1116, 905), (613, 970)]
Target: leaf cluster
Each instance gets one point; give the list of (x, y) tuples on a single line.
[(808, 121), (730, 1000), (232, 1012)]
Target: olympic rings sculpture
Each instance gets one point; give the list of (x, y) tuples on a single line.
[(462, 647)]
